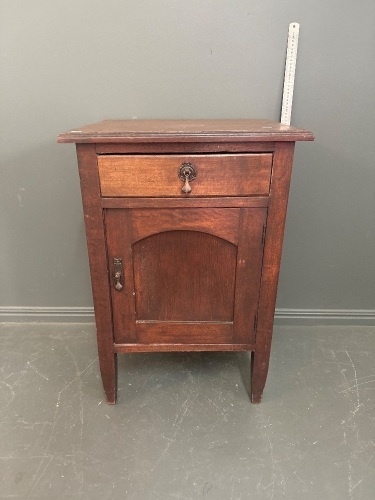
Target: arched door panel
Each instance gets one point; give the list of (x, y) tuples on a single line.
[(189, 276), (184, 276)]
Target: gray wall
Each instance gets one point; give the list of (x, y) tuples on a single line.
[(70, 62)]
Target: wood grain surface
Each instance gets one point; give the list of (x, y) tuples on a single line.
[(199, 271), (185, 131), (156, 176)]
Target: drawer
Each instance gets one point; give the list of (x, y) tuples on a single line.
[(158, 176)]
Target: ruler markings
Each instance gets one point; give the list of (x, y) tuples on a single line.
[(289, 75)]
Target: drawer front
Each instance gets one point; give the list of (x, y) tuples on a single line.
[(156, 176)]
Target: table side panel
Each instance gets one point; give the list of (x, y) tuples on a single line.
[(277, 210), (96, 244)]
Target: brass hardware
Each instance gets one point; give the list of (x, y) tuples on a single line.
[(118, 274), (187, 173)]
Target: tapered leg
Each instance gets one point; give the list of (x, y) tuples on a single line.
[(108, 370), (278, 200), (259, 370), (95, 233)]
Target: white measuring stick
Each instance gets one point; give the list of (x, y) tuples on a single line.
[(290, 70)]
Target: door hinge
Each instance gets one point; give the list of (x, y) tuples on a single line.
[(255, 323), (264, 233)]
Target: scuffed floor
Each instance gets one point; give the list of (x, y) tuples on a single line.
[(183, 427)]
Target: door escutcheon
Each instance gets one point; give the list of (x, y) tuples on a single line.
[(118, 274)]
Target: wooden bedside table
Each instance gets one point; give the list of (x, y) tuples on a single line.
[(184, 223)]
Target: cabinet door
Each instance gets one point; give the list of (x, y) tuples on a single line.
[(189, 276)]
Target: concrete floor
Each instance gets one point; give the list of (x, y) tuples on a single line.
[(183, 427)]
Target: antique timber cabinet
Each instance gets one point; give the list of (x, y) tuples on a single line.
[(184, 222)]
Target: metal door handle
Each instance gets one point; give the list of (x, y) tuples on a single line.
[(118, 274)]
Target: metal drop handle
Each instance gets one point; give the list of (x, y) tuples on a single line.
[(187, 173), (118, 274)]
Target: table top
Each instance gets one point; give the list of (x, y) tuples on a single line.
[(115, 131)]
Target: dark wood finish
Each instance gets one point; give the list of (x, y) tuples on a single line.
[(204, 263), (217, 175), (249, 266), (195, 272), (124, 348), (97, 251), (259, 367), (169, 131), (185, 147), (118, 226), (186, 202), (220, 222), (282, 169), (182, 285), (184, 332)]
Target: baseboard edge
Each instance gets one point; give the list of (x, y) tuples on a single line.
[(283, 316), (360, 317)]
